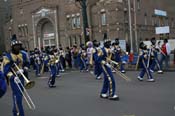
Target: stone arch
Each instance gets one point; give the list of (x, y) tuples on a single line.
[(45, 33)]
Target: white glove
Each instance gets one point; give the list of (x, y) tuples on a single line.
[(20, 71), (103, 62), (108, 65), (56, 61), (17, 80), (145, 56), (26, 68)]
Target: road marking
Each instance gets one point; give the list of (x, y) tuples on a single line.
[(64, 73), (48, 76), (130, 115), (43, 77)]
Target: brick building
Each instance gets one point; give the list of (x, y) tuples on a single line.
[(5, 15), (41, 23)]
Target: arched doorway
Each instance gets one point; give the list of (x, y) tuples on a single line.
[(45, 34)]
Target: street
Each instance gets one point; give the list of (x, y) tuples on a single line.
[(77, 94)]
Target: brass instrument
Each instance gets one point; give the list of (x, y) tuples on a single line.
[(52, 60), (22, 89), (42, 69), (138, 59), (100, 52), (117, 71), (1, 66), (113, 62), (29, 84), (149, 56), (91, 57)]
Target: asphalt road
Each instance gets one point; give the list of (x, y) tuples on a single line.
[(77, 94)]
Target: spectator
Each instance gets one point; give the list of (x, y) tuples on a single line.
[(75, 52), (165, 54)]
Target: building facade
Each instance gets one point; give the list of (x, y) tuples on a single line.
[(41, 23), (5, 15)]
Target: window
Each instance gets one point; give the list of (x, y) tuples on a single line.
[(145, 17), (68, 24), (172, 22), (20, 1), (166, 21), (78, 21), (103, 18), (19, 31), (69, 1), (153, 20), (138, 4), (120, 1), (73, 22)]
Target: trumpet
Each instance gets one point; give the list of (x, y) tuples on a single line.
[(29, 84), (23, 91)]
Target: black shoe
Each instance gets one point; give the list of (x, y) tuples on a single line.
[(52, 86), (115, 98)]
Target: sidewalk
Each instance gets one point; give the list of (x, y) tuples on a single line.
[(131, 67)]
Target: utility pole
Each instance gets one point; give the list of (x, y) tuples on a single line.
[(135, 26), (83, 4), (130, 25)]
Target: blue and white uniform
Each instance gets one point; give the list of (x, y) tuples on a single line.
[(109, 85), (21, 61)]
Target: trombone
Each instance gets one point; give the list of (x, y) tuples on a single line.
[(117, 71), (24, 93), (29, 84), (137, 63)]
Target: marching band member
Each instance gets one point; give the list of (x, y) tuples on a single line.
[(57, 62), (68, 57), (20, 59), (37, 60), (62, 59), (52, 67), (143, 63), (32, 61), (154, 56), (89, 44), (97, 67), (3, 85), (82, 58), (117, 55), (109, 82), (26, 69), (45, 61)]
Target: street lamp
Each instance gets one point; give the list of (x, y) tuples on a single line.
[(85, 19)]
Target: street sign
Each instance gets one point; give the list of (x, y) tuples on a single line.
[(162, 30), (160, 12)]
